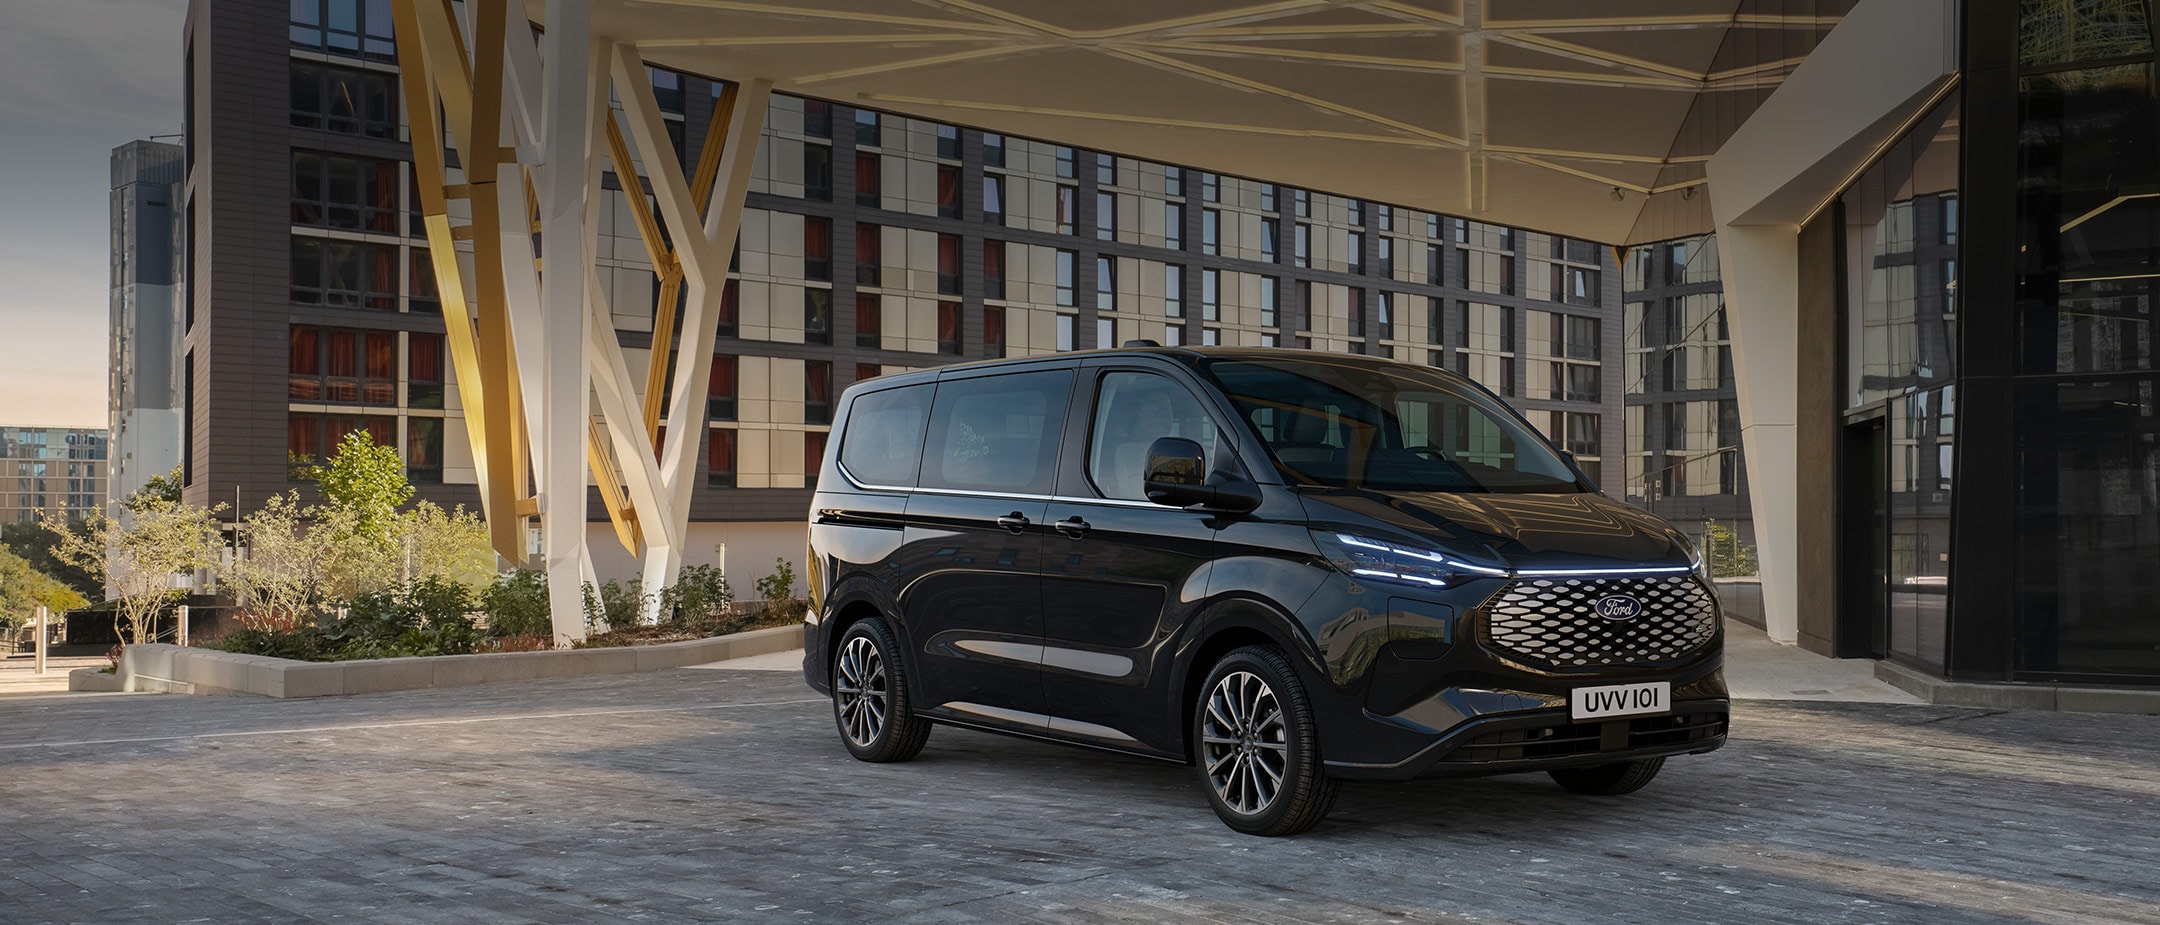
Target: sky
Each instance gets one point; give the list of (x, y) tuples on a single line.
[(81, 77)]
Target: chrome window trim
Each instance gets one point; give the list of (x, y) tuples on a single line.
[(1007, 495)]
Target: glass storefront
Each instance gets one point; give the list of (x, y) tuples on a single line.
[(2088, 258), (1899, 234)]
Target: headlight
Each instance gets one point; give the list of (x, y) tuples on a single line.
[(1382, 560), (1697, 562)]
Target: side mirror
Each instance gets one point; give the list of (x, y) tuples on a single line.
[(1177, 476)]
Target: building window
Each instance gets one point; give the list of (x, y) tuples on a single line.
[(1106, 216), (424, 450), (1064, 157), (1354, 256), (868, 173), (344, 100), (1210, 231), (948, 191), (1173, 181), (817, 316), (1065, 271), (350, 193), (1105, 284), (1064, 333), (1301, 245), (424, 370), (994, 198), (817, 391), (816, 116), (948, 142), (817, 248), (867, 128), (817, 172), (309, 436), (869, 254), (1357, 312), (813, 452), (1269, 201), (730, 307), (1356, 209), (420, 293), (993, 150), (1105, 333), (1105, 169), (948, 328), (869, 321), (1487, 272), (1435, 321), (1270, 229), (344, 27), (344, 274), (1487, 351), (1270, 300), (1384, 315), (948, 264), (993, 332), (1173, 290), (721, 388), (1064, 210), (1174, 225), (1386, 261), (1210, 295), (867, 371), (1210, 187), (993, 269), (720, 459)]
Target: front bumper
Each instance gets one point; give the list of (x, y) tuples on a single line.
[(1540, 740)]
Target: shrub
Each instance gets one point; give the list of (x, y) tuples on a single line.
[(698, 600), (517, 605), (778, 586)]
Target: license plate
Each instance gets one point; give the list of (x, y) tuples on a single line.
[(1620, 700)]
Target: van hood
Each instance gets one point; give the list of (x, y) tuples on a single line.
[(1518, 531)]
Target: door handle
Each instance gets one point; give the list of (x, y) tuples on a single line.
[(1072, 526), (1015, 521)]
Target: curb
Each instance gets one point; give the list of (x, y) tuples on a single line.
[(2062, 698), (162, 668)]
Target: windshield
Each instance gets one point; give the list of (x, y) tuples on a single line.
[(1348, 424)]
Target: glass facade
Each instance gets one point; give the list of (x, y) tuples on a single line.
[(2088, 255)]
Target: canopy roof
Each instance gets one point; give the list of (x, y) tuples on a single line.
[(1524, 112)]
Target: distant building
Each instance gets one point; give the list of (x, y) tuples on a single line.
[(61, 470), (145, 394)]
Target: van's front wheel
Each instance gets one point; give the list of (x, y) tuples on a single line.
[(1256, 746)]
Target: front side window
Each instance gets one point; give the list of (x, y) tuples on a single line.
[(1132, 411), (996, 433), (1347, 424)]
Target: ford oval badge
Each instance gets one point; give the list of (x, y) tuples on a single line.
[(1619, 607)]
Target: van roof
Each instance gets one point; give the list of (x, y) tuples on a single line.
[(1179, 353)]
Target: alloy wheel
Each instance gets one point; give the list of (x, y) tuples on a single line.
[(860, 682), (1244, 742)]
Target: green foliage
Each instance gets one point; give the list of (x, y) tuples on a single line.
[(780, 585), (517, 605), (35, 544), (451, 545), (164, 488), (1727, 555), (699, 598), (426, 617), (366, 480), (23, 588), (141, 556)]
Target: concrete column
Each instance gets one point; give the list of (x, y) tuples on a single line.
[(565, 416), (1761, 265)]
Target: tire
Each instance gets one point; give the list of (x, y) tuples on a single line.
[(870, 697), (1609, 780), (1256, 746)]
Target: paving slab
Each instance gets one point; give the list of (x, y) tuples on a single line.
[(724, 795)]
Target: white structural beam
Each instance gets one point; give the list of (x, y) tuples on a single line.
[(567, 251), (1884, 63)]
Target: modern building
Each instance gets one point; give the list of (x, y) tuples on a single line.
[(1683, 411), (144, 394), (871, 243), (1950, 460), (51, 472)]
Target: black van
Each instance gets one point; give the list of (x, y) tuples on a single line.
[(1281, 566)]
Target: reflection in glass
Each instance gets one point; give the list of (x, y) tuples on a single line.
[(1899, 333), (2089, 526)]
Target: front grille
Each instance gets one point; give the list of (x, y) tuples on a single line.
[(1553, 622), (1568, 739)]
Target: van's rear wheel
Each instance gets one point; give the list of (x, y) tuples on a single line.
[(870, 703), (1257, 749), (1609, 780)]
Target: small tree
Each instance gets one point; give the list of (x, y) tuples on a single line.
[(283, 568), (23, 588), (165, 486), (451, 546), (140, 560), (368, 481), (34, 543)]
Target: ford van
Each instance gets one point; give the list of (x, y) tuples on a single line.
[(1281, 567)]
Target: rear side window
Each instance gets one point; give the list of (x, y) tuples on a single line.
[(884, 438), (997, 433)]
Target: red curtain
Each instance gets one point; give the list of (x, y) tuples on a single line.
[(813, 452), (721, 456), (948, 187), (866, 174), (344, 354), (303, 435), (948, 255), (381, 355), (869, 316), (994, 326), (420, 281), (383, 430), (817, 381), (383, 196), (721, 382), (728, 297), (382, 277), (817, 239), (993, 260), (425, 363), (948, 322), (306, 351), (867, 241)]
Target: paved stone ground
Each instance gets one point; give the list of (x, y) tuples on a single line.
[(723, 795)]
